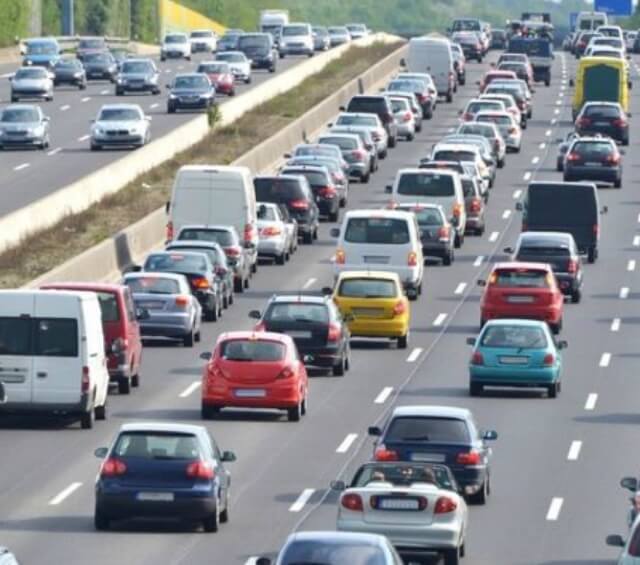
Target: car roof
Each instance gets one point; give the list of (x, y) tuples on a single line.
[(300, 297), (358, 114), (138, 60), (515, 265), (456, 147), (412, 206), (154, 275), (162, 427), (255, 336), (205, 227), (516, 322), (295, 178), (432, 411), (391, 214), (435, 171), (83, 286), (362, 274), (601, 103), (546, 236)]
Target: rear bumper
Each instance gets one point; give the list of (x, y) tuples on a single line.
[(436, 248), (125, 505), (324, 356), (229, 394), (272, 247), (176, 327), (512, 376), (605, 174), (551, 315), (373, 327), (82, 405)]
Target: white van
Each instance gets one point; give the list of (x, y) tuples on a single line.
[(381, 240), (433, 55), (432, 186), (52, 356), (590, 21), (215, 195)]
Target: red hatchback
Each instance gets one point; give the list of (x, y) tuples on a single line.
[(254, 370), (522, 290), (220, 75), (123, 343)]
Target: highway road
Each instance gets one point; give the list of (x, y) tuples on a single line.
[(557, 463), (31, 174)]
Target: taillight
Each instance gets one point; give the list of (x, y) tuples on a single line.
[(457, 210), (353, 502), (299, 204), (444, 505), (182, 301), (477, 358), (582, 122), (412, 259), (327, 192), (201, 283), (170, 233), (619, 122), (340, 257), (548, 360), (232, 251), (572, 266), (399, 308), (271, 231), (407, 117), (86, 380), (443, 233), (260, 327), (286, 373), (613, 159), (200, 470), (359, 154), (573, 157), (469, 458), (596, 229), (113, 467), (476, 205), (335, 333), (248, 232), (383, 454)]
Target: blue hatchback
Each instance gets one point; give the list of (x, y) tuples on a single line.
[(515, 353)]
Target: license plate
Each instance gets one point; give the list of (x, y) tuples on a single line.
[(152, 305), (398, 504), (250, 393), (376, 259), (428, 457), (514, 360), (593, 164), (299, 334), (368, 312), (155, 496), (601, 124), (520, 299)]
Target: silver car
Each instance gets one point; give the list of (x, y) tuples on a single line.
[(321, 40), (357, 31), (370, 121), (630, 554), (120, 125), (367, 139), (239, 64), (339, 35), (24, 125), (404, 117), (416, 505), (174, 312), (274, 237), (353, 152), (416, 108), (32, 82), (137, 75)]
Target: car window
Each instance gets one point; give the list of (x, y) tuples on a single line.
[(277, 189), (501, 120), (344, 143), (602, 111), (157, 445), (34, 73), (427, 428), (542, 251), (346, 120), (295, 30), (56, 337), (152, 285), (252, 350), (129, 305), (427, 217), (175, 39), (469, 188), (297, 312), (211, 253), (213, 68), (176, 262), (454, 155), (593, 148), (195, 81), (519, 278), (407, 85), (18, 115), (377, 231), (421, 184), (404, 474), (109, 306), (223, 237), (252, 41), (136, 67), (267, 213), (315, 178), (119, 115), (367, 288), (520, 337), (329, 552), (367, 105), (15, 336), (634, 544)]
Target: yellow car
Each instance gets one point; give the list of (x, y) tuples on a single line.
[(374, 305)]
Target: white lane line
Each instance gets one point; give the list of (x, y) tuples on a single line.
[(155, 105), (103, 92), (84, 138), (64, 494), (54, 151), (384, 394), (440, 319), (605, 359), (574, 450), (494, 236), (636, 241), (554, 509), (535, 160), (615, 325), (309, 283), (624, 292), (554, 122), (526, 178), (542, 145), (639, 218), (506, 214), (167, 70), (559, 102), (478, 261), (451, 130), (64, 108), (460, 288), (548, 133), (251, 561), (556, 111), (346, 443), (413, 356), (181, 67), (190, 389), (518, 193), (86, 99), (592, 399), (631, 265), (302, 500), (21, 167)]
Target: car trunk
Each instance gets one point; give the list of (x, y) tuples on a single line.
[(377, 308), (156, 303), (400, 506), (251, 372), (151, 473), (558, 260), (516, 357), (519, 297)]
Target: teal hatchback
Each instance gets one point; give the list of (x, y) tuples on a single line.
[(515, 353)]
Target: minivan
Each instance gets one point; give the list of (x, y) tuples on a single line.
[(434, 186), (381, 240), (209, 195), (570, 207), (52, 357), (433, 55)]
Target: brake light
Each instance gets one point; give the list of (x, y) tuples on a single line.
[(573, 157), (169, 232), (352, 502), (248, 232), (327, 192), (271, 231), (299, 204), (469, 458), (477, 358), (596, 230), (399, 308), (200, 470), (182, 301), (232, 251), (407, 117), (412, 259), (619, 122), (443, 233), (444, 505), (201, 283), (613, 159), (286, 373), (86, 380), (383, 454), (457, 210), (260, 327), (113, 467), (572, 266), (340, 257), (476, 205), (549, 360), (582, 122), (358, 154), (335, 333)]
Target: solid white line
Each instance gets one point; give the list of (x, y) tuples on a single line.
[(478, 261), (64, 108), (535, 160), (346, 443), (542, 145), (64, 494), (84, 138), (526, 178), (518, 193), (494, 236), (302, 500), (624, 292), (574, 450), (104, 92), (384, 394), (309, 283), (554, 509), (636, 241), (506, 214), (413, 356), (631, 265), (190, 389), (86, 99), (605, 359), (460, 288), (20, 167), (54, 151), (154, 106), (592, 399), (615, 325), (440, 319)]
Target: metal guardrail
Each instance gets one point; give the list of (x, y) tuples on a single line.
[(70, 42)]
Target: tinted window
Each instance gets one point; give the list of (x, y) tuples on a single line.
[(119, 115), (602, 111), (223, 237), (153, 285), (468, 188), (344, 143), (17, 115), (157, 445), (475, 107), (176, 262), (519, 278), (428, 429), (502, 120), (15, 336), (109, 306), (295, 30), (377, 231), (542, 251), (329, 552), (454, 155), (521, 337), (634, 545), (253, 41), (407, 85), (136, 67), (548, 205), (315, 178), (597, 149), (278, 190), (56, 337), (417, 184), (211, 253), (191, 82), (347, 120), (297, 312), (367, 105), (368, 288), (427, 217), (252, 350), (213, 68)]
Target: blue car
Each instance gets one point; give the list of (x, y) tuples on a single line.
[(515, 353), (42, 52), (163, 470)]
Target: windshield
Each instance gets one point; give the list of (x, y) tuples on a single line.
[(426, 184), (338, 31), (346, 120), (407, 85), (152, 285), (31, 73), (195, 82), (298, 312), (387, 231), (175, 39), (98, 58), (175, 262), (68, 63), (17, 115), (231, 57), (136, 67), (223, 237), (453, 155), (119, 115), (520, 337), (205, 33), (156, 445), (41, 49), (367, 288), (252, 350), (288, 31), (427, 429), (466, 25)]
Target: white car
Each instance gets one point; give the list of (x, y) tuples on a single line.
[(203, 40), (404, 117), (120, 125), (32, 82), (274, 238), (509, 128), (239, 64), (175, 46), (296, 39), (463, 153), (630, 40), (491, 133)]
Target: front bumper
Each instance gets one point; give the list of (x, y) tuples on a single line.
[(137, 86), (118, 140), (296, 49), (188, 103), (21, 140), (30, 92)]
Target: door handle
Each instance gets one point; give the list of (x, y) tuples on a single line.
[(42, 374)]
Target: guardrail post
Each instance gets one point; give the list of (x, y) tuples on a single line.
[(360, 86)]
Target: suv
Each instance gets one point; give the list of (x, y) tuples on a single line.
[(606, 118), (379, 105)]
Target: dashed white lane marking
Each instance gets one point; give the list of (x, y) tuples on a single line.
[(624, 292), (518, 193), (440, 319), (615, 325), (190, 389), (304, 497), (384, 394), (631, 265), (451, 130), (346, 443), (591, 402), (21, 167), (526, 177), (556, 111), (548, 133), (64, 494), (558, 102), (636, 241), (554, 509), (103, 92), (574, 450), (54, 151), (86, 99), (542, 145), (605, 359), (535, 160), (639, 218), (309, 283), (494, 236), (478, 261), (84, 138), (64, 108), (155, 105), (413, 356), (167, 70), (460, 288), (506, 214), (554, 122)]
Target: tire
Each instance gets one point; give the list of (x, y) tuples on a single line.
[(247, 80), (281, 259), (547, 82), (307, 238), (333, 216), (124, 386), (556, 328), (245, 283), (254, 267), (224, 515), (294, 414), (87, 419), (365, 178), (339, 369), (501, 163), (447, 259), (171, 109), (403, 341), (197, 337), (209, 412), (238, 285), (100, 521), (411, 137), (304, 407), (617, 183), (625, 141), (383, 155), (212, 523), (592, 255), (480, 497), (188, 339), (517, 149), (475, 389), (392, 142), (552, 390), (211, 314), (458, 241), (576, 296), (100, 412), (119, 92), (135, 381), (451, 556), (449, 97), (14, 98)]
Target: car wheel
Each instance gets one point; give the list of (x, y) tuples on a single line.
[(188, 339), (333, 216), (14, 98), (339, 369), (119, 92), (552, 390), (294, 414), (224, 515), (411, 137), (212, 523), (501, 163), (449, 96), (556, 328), (618, 183), (384, 154), (458, 241), (307, 238), (592, 255), (481, 496), (231, 298), (365, 178), (315, 233), (247, 80), (392, 142), (475, 389), (211, 313), (100, 521), (171, 109), (403, 341), (124, 386), (246, 283), (447, 259), (451, 556), (209, 412), (101, 412), (87, 419), (304, 408), (576, 296), (281, 259)]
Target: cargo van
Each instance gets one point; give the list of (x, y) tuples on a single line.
[(601, 79), (433, 55), (215, 195), (52, 354), (570, 207), (590, 21)]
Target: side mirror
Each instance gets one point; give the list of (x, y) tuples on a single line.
[(101, 452), (630, 483), (263, 561), (490, 435), (330, 125), (287, 155), (334, 232), (342, 109), (135, 269), (571, 82), (228, 457), (374, 431), (482, 282), (255, 314), (327, 290), (206, 356), (388, 189), (563, 344), (142, 314), (3, 394), (167, 206), (508, 250), (519, 206), (338, 485), (403, 62), (615, 540), (471, 341), (604, 210)]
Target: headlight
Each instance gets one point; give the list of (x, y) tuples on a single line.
[(77, 75), (172, 96)]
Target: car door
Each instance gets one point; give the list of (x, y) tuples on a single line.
[(223, 473), (133, 330)]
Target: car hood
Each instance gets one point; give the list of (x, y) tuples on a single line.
[(66, 71), (125, 124), (18, 126)]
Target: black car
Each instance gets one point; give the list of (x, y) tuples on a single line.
[(323, 187), (520, 69), (190, 91), (498, 39), (315, 324), (100, 66), (470, 44), (563, 148), (559, 250), (137, 75), (606, 118), (90, 45), (260, 49), (379, 105), (436, 233), (69, 71), (295, 193), (594, 158), (229, 41)]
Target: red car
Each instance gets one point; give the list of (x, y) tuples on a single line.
[(495, 75), (123, 343), (254, 370), (522, 290), (220, 75)]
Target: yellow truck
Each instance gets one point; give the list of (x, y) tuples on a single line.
[(601, 79)]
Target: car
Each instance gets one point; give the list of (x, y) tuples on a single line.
[(522, 70), (595, 159), (250, 369), (416, 108), (239, 64), (509, 104), (120, 125), (459, 64), (274, 238), (203, 40), (424, 94), (357, 31), (379, 105), (482, 147), (24, 125), (372, 123), (491, 133), (443, 434), (333, 165), (583, 41), (260, 50), (460, 149), (229, 41), (100, 66), (521, 289), (89, 45), (405, 119), (493, 75), (239, 257), (163, 470), (310, 149), (436, 233), (498, 39), (507, 125), (630, 547), (6, 557), (137, 75), (296, 39), (32, 82), (322, 186), (339, 35), (475, 205), (431, 87), (563, 147), (190, 91), (69, 71), (200, 273), (354, 152), (606, 118), (374, 305), (220, 75), (470, 43), (175, 46), (321, 38), (515, 353), (476, 105), (41, 52), (415, 505), (365, 134), (121, 54), (518, 89), (173, 310)]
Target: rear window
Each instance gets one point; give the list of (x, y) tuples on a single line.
[(153, 285), (377, 231), (15, 336), (521, 337), (420, 184), (223, 237), (469, 188), (548, 205), (55, 337), (519, 278), (331, 552), (109, 306), (427, 216), (602, 111), (451, 155), (315, 178), (177, 262), (475, 107), (367, 105), (501, 120), (297, 312), (407, 85), (278, 190), (596, 149), (267, 213), (211, 253), (157, 445), (344, 143), (399, 105), (370, 121), (427, 429), (367, 288), (541, 251), (252, 350)]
